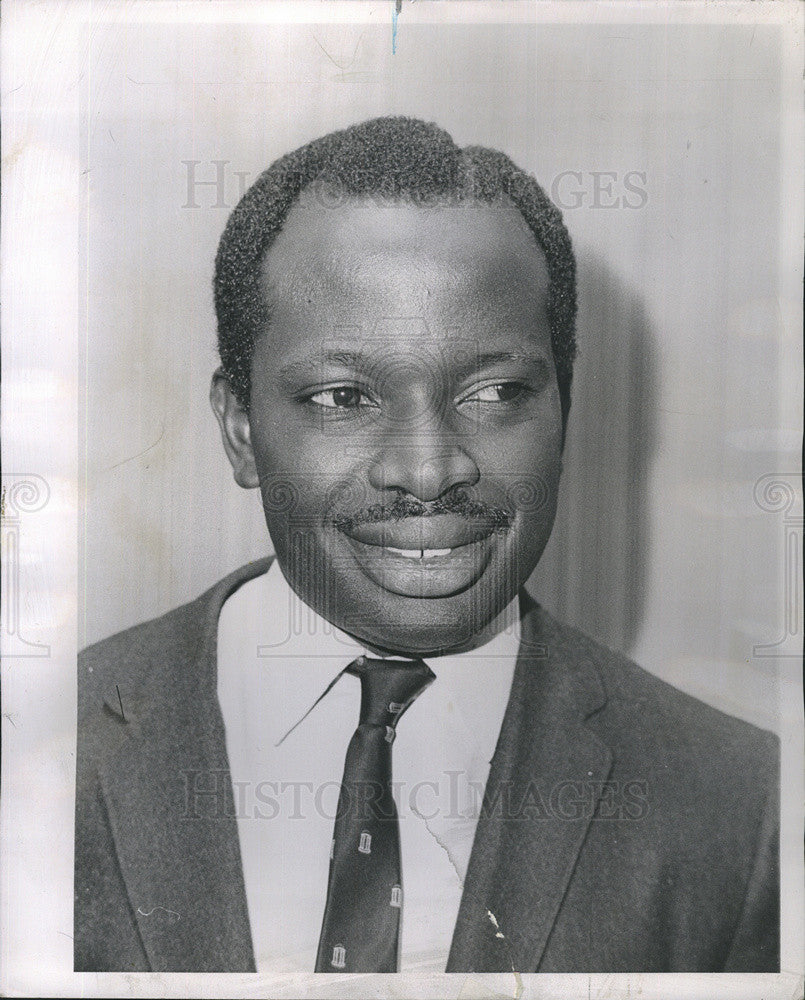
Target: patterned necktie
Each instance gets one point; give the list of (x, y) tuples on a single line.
[(361, 927)]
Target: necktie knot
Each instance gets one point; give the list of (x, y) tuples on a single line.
[(389, 687)]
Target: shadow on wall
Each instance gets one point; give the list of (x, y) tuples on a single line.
[(593, 572)]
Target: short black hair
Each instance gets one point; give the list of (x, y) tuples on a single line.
[(397, 158)]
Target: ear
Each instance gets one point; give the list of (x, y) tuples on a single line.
[(235, 431)]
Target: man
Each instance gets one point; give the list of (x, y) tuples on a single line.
[(396, 330)]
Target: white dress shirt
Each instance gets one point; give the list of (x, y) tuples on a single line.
[(275, 658)]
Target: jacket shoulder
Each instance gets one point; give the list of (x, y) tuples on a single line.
[(132, 656), (641, 708)]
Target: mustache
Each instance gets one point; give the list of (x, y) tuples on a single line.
[(404, 506)]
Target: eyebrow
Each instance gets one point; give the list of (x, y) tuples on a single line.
[(362, 362), (531, 357), (301, 368)]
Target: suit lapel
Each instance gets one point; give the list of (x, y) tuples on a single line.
[(544, 784), (168, 795)]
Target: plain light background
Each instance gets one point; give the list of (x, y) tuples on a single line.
[(688, 389), (663, 145)]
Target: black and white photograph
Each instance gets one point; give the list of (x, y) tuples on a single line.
[(401, 499)]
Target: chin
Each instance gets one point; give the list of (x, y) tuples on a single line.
[(397, 624), (405, 625), (409, 640)]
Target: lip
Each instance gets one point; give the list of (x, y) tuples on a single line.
[(437, 531), (439, 574)]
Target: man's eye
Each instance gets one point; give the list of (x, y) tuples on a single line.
[(500, 392), (340, 397)]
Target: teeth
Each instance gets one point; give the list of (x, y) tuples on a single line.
[(419, 553)]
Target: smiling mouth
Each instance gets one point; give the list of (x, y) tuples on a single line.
[(417, 565), (415, 537)]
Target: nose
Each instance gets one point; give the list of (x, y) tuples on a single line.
[(425, 461)]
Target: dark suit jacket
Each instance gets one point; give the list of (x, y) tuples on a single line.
[(627, 826)]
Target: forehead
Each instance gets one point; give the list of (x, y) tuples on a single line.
[(361, 261)]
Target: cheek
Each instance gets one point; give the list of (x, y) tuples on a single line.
[(286, 449), (526, 462), (531, 484), (303, 478)]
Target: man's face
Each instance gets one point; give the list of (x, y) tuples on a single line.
[(405, 425)]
